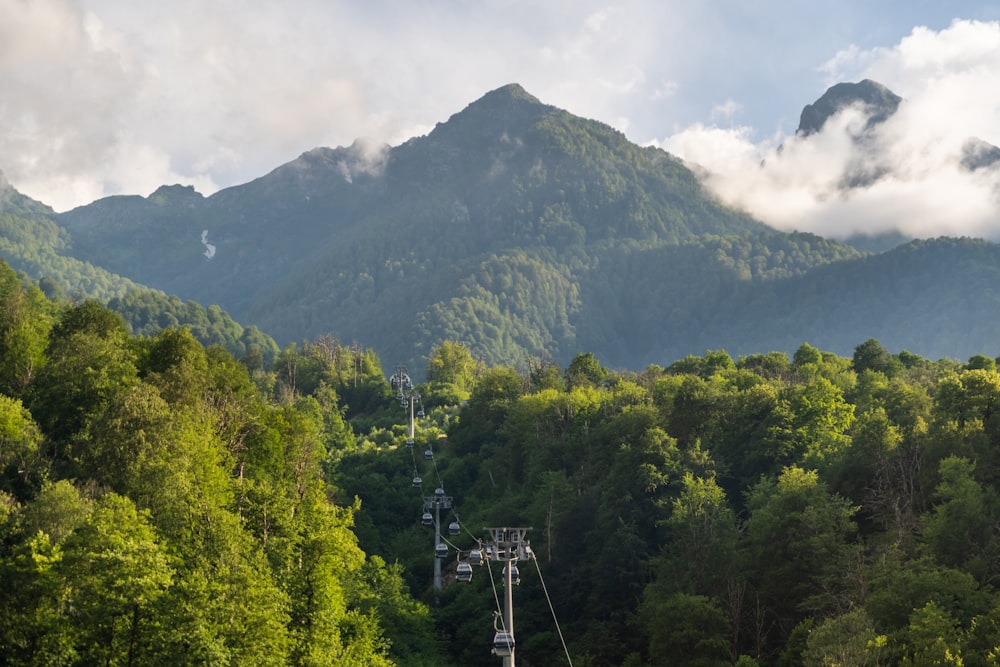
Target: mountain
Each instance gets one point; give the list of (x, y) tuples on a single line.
[(878, 102), (523, 231), (480, 231), (33, 243)]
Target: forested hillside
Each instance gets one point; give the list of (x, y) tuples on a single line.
[(157, 507), (482, 231), (32, 242), (814, 510), (163, 503), (527, 233)]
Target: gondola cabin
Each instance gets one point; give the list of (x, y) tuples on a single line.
[(503, 644)]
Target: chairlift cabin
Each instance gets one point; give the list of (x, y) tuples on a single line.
[(475, 557), (429, 454), (441, 550), (454, 528), (418, 481), (409, 442), (503, 644), (427, 519), (463, 572), (515, 576), (420, 412)]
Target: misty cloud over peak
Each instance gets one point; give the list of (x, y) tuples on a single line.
[(910, 148)]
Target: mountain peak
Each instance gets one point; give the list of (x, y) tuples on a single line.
[(177, 193), (511, 93), (878, 100), (509, 105)]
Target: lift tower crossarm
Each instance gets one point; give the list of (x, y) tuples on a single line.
[(507, 545)]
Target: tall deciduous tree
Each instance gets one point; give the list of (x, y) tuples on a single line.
[(800, 544)]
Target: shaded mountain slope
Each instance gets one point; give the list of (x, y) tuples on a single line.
[(523, 231), (935, 297), (397, 246)]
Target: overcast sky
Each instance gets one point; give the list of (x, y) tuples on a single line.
[(102, 97)]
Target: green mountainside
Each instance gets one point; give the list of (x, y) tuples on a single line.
[(33, 244), (482, 231), (524, 232)]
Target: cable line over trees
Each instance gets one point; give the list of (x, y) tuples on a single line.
[(504, 545)]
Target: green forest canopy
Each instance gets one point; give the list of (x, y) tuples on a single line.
[(163, 503)]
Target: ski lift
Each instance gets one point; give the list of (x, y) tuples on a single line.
[(427, 519), (429, 454), (454, 528), (475, 557), (418, 481), (409, 442), (515, 576), (503, 644), (441, 550), (420, 412), (463, 573), (439, 492)]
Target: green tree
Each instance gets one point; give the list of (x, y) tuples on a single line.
[(685, 630), (115, 571), (933, 639), (870, 355), (700, 557), (585, 370), (89, 362), (22, 465), (25, 320), (799, 542), (959, 530), (453, 363), (847, 639)]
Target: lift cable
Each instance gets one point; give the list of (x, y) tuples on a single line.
[(552, 609), (452, 544), (437, 473), (418, 485), (496, 597)]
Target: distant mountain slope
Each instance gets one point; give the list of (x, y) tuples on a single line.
[(396, 246), (522, 231), (934, 297), (32, 243)]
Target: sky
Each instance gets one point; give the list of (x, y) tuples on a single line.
[(102, 97)]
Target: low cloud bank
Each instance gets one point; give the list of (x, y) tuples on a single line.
[(905, 174)]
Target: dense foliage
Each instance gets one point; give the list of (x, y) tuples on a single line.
[(813, 510), (161, 504), (148, 312), (32, 242)]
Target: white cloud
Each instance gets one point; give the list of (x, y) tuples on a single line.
[(950, 82), (103, 97)]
